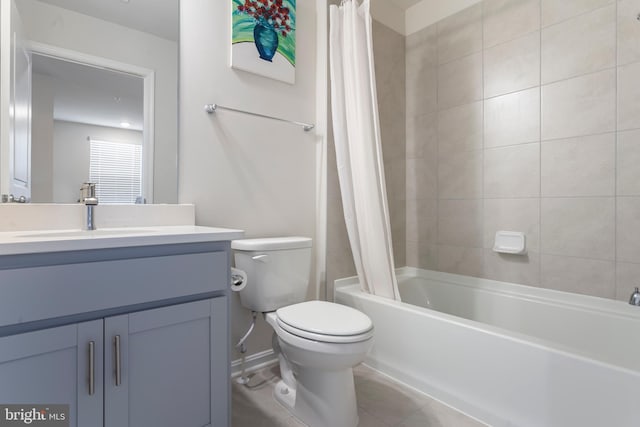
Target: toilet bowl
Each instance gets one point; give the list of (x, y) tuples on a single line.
[(317, 342), (320, 352)]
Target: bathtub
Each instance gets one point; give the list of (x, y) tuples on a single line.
[(506, 354)]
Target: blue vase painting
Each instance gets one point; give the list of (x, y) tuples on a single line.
[(266, 40), (263, 38)]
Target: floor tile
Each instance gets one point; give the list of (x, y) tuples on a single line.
[(382, 402)]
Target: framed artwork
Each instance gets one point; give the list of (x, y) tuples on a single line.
[(263, 39)]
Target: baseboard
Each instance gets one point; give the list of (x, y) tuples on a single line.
[(254, 362)]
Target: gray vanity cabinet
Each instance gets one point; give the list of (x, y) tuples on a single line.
[(126, 337), (161, 367), (172, 368), (51, 366)]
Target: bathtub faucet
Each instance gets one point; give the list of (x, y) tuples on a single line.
[(635, 298)]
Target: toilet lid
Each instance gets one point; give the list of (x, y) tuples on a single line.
[(325, 321)]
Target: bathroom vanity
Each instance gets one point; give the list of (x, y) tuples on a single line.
[(129, 327)]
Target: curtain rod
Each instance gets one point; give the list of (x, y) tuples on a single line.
[(211, 108)]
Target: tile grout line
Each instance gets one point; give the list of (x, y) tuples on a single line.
[(540, 234), (437, 159), (482, 155), (615, 163)]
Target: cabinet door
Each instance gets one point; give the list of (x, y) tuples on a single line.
[(52, 366), (172, 369)]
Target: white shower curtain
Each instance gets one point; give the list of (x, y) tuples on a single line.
[(356, 130)]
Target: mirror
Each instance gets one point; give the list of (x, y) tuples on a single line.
[(90, 93)]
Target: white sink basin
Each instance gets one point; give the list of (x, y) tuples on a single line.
[(105, 232)]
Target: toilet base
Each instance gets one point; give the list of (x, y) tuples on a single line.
[(315, 401), (285, 395)]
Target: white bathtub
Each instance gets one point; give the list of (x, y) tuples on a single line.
[(508, 355)]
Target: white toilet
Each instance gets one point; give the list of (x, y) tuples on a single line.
[(318, 343)]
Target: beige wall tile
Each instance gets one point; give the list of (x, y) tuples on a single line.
[(628, 229), (521, 269), (506, 20), (460, 260), (339, 258), (339, 265), (389, 52), (578, 275), (512, 119), (580, 106), (627, 279), (460, 81), (580, 227), (336, 228), (422, 90), (512, 66), (421, 179), (582, 166), (460, 223), (421, 135), (399, 246), (581, 45), (398, 218), (460, 34), (628, 31), (422, 220), (460, 128), (392, 134), (629, 96), (512, 215), (396, 180), (511, 172), (628, 163), (460, 175), (421, 68), (453, 89), (422, 255), (558, 10), (423, 44)]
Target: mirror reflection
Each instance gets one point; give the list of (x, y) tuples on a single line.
[(93, 97)]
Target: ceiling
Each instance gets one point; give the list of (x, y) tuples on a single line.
[(405, 4), (95, 96), (157, 17)]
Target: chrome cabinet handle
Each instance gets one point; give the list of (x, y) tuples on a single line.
[(92, 368), (118, 367)]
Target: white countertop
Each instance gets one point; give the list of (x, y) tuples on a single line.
[(40, 241)]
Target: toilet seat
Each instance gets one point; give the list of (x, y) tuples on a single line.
[(325, 322)]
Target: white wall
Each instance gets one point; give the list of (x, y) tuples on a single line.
[(71, 155), (241, 171), (70, 30)]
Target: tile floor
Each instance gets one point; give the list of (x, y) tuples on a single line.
[(381, 403)]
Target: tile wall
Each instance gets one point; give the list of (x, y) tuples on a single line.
[(524, 115)]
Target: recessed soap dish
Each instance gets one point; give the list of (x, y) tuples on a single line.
[(510, 242)]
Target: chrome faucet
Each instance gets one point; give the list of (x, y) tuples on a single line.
[(89, 199), (635, 297)]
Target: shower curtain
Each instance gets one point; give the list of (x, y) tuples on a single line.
[(356, 131)]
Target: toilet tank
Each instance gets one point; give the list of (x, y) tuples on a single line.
[(278, 270)]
